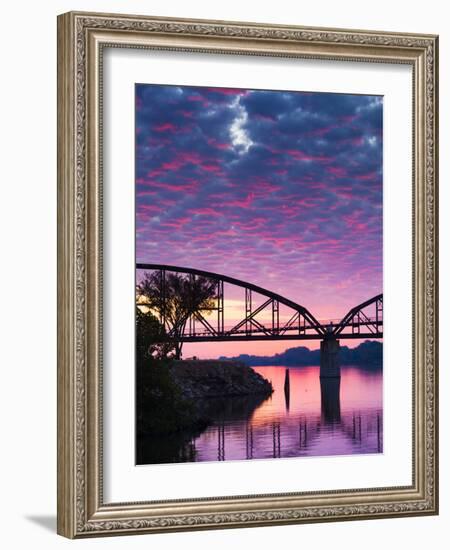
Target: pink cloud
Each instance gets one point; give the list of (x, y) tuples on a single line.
[(278, 241), (319, 132), (338, 171), (300, 155), (273, 162), (198, 98), (268, 118), (261, 186), (250, 225), (153, 174), (227, 233), (368, 176), (357, 141), (172, 165), (242, 203), (204, 212), (166, 127), (150, 208), (187, 114), (177, 222), (145, 193), (344, 193), (167, 202), (211, 168), (200, 238), (222, 146), (158, 141), (190, 157), (360, 226), (178, 162), (347, 118), (228, 91), (353, 221), (189, 186), (317, 185)]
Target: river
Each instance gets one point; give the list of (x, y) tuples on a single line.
[(316, 418)]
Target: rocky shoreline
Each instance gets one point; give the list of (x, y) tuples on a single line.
[(214, 378), (185, 397)]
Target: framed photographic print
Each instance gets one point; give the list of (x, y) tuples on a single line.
[(247, 284)]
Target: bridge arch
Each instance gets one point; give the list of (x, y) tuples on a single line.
[(367, 315), (301, 325)]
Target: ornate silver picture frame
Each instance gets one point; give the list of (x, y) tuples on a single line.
[(83, 511)]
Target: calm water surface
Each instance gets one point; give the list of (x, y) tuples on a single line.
[(316, 418)]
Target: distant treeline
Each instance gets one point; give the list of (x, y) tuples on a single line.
[(369, 354)]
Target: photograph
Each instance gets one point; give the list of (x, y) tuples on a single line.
[(259, 274)]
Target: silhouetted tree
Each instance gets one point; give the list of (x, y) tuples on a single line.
[(175, 298), (151, 338)]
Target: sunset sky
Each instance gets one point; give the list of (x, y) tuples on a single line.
[(281, 189)]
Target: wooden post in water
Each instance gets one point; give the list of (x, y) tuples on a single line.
[(287, 395), (286, 382), (287, 390)]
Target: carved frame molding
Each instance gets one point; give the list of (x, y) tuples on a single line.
[(81, 38)]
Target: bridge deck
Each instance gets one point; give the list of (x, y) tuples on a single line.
[(259, 337)]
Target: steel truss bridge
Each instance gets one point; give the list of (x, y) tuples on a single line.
[(261, 319)]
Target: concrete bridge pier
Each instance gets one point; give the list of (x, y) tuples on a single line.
[(330, 366)]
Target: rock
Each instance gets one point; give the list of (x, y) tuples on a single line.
[(214, 378)]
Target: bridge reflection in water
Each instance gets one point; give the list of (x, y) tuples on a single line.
[(360, 427), (325, 417)]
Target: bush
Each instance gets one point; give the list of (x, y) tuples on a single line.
[(160, 408)]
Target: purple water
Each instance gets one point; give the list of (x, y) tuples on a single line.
[(317, 418)]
